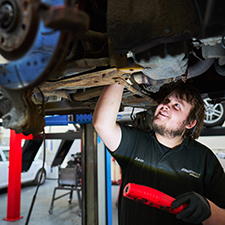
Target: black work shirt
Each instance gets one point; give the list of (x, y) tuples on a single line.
[(190, 166)]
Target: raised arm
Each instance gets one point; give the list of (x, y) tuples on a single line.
[(105, 114)]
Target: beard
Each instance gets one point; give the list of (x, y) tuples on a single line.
[(163, 131)]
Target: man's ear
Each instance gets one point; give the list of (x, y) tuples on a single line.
[(191, 124)]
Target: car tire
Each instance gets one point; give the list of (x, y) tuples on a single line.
[(214, 114), (38, 176)]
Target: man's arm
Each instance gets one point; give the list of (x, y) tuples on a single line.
[(105, 114), (217, 215)]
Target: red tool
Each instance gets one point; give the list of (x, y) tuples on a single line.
[(151, 197)]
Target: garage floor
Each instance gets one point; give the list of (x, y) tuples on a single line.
[(63, 213)]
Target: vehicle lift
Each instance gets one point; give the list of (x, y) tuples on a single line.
[(96, 173), (14, 182)]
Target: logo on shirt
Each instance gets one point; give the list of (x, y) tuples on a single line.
[(191, 173), (139, 159)]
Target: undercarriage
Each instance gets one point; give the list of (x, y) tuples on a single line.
[(56, 56)]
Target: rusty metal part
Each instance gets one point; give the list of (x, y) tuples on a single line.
[(151, 85), (92, 50), (75, 67), (87, 106), (93, 37), (47, 52), (135, 101), (100, 78), (87, 94), (37, 97), (20, 113), (69, 107), (59, 95), (117, 60), (126, 74), (148, 100), (18, 27), (61, 17), (84, 65), (89, 86), (5, 105), (131, 69), (164, 61)]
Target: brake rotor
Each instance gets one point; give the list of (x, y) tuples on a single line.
[(30, 50)]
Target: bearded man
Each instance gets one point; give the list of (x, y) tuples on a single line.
[(167, 158)]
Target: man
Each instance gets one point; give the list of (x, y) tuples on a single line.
[(167, 159)]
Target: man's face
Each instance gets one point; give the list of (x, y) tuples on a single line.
[(170, 117)]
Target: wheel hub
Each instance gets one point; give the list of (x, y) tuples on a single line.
[(210, 109), (7, 18), (18, 26), (32, 50)]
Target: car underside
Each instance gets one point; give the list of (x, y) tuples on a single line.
[(57, 56)]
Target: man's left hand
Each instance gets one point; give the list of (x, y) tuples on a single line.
[(197, 209)]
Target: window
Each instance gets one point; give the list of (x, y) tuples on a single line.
[(6, 153)]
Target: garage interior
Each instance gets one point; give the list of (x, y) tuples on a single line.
[(58, 146), (56, 56), (64, 213), (66, 210)]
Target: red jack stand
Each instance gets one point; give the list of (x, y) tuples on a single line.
[(14, 182)]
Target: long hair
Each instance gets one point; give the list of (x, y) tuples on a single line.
[(191, 95)]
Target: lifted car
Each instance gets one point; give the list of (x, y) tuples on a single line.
[(58, 55)]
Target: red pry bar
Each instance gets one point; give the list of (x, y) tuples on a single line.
[(151, 197)]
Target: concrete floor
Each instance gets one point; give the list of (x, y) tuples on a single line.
[(63, 213)]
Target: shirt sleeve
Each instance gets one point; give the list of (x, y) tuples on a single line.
[(127, 144)]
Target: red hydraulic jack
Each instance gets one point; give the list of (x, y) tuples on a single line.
[(14, 182)]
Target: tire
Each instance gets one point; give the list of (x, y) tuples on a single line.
[(38, 176), (215, 113)]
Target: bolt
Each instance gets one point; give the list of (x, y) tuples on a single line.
[(167, 30)]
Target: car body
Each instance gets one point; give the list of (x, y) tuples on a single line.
[(61, 66), (31, 175)]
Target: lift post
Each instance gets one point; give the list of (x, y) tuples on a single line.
[(96, 176), (96, 181), (14, 177), (89, 180)]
